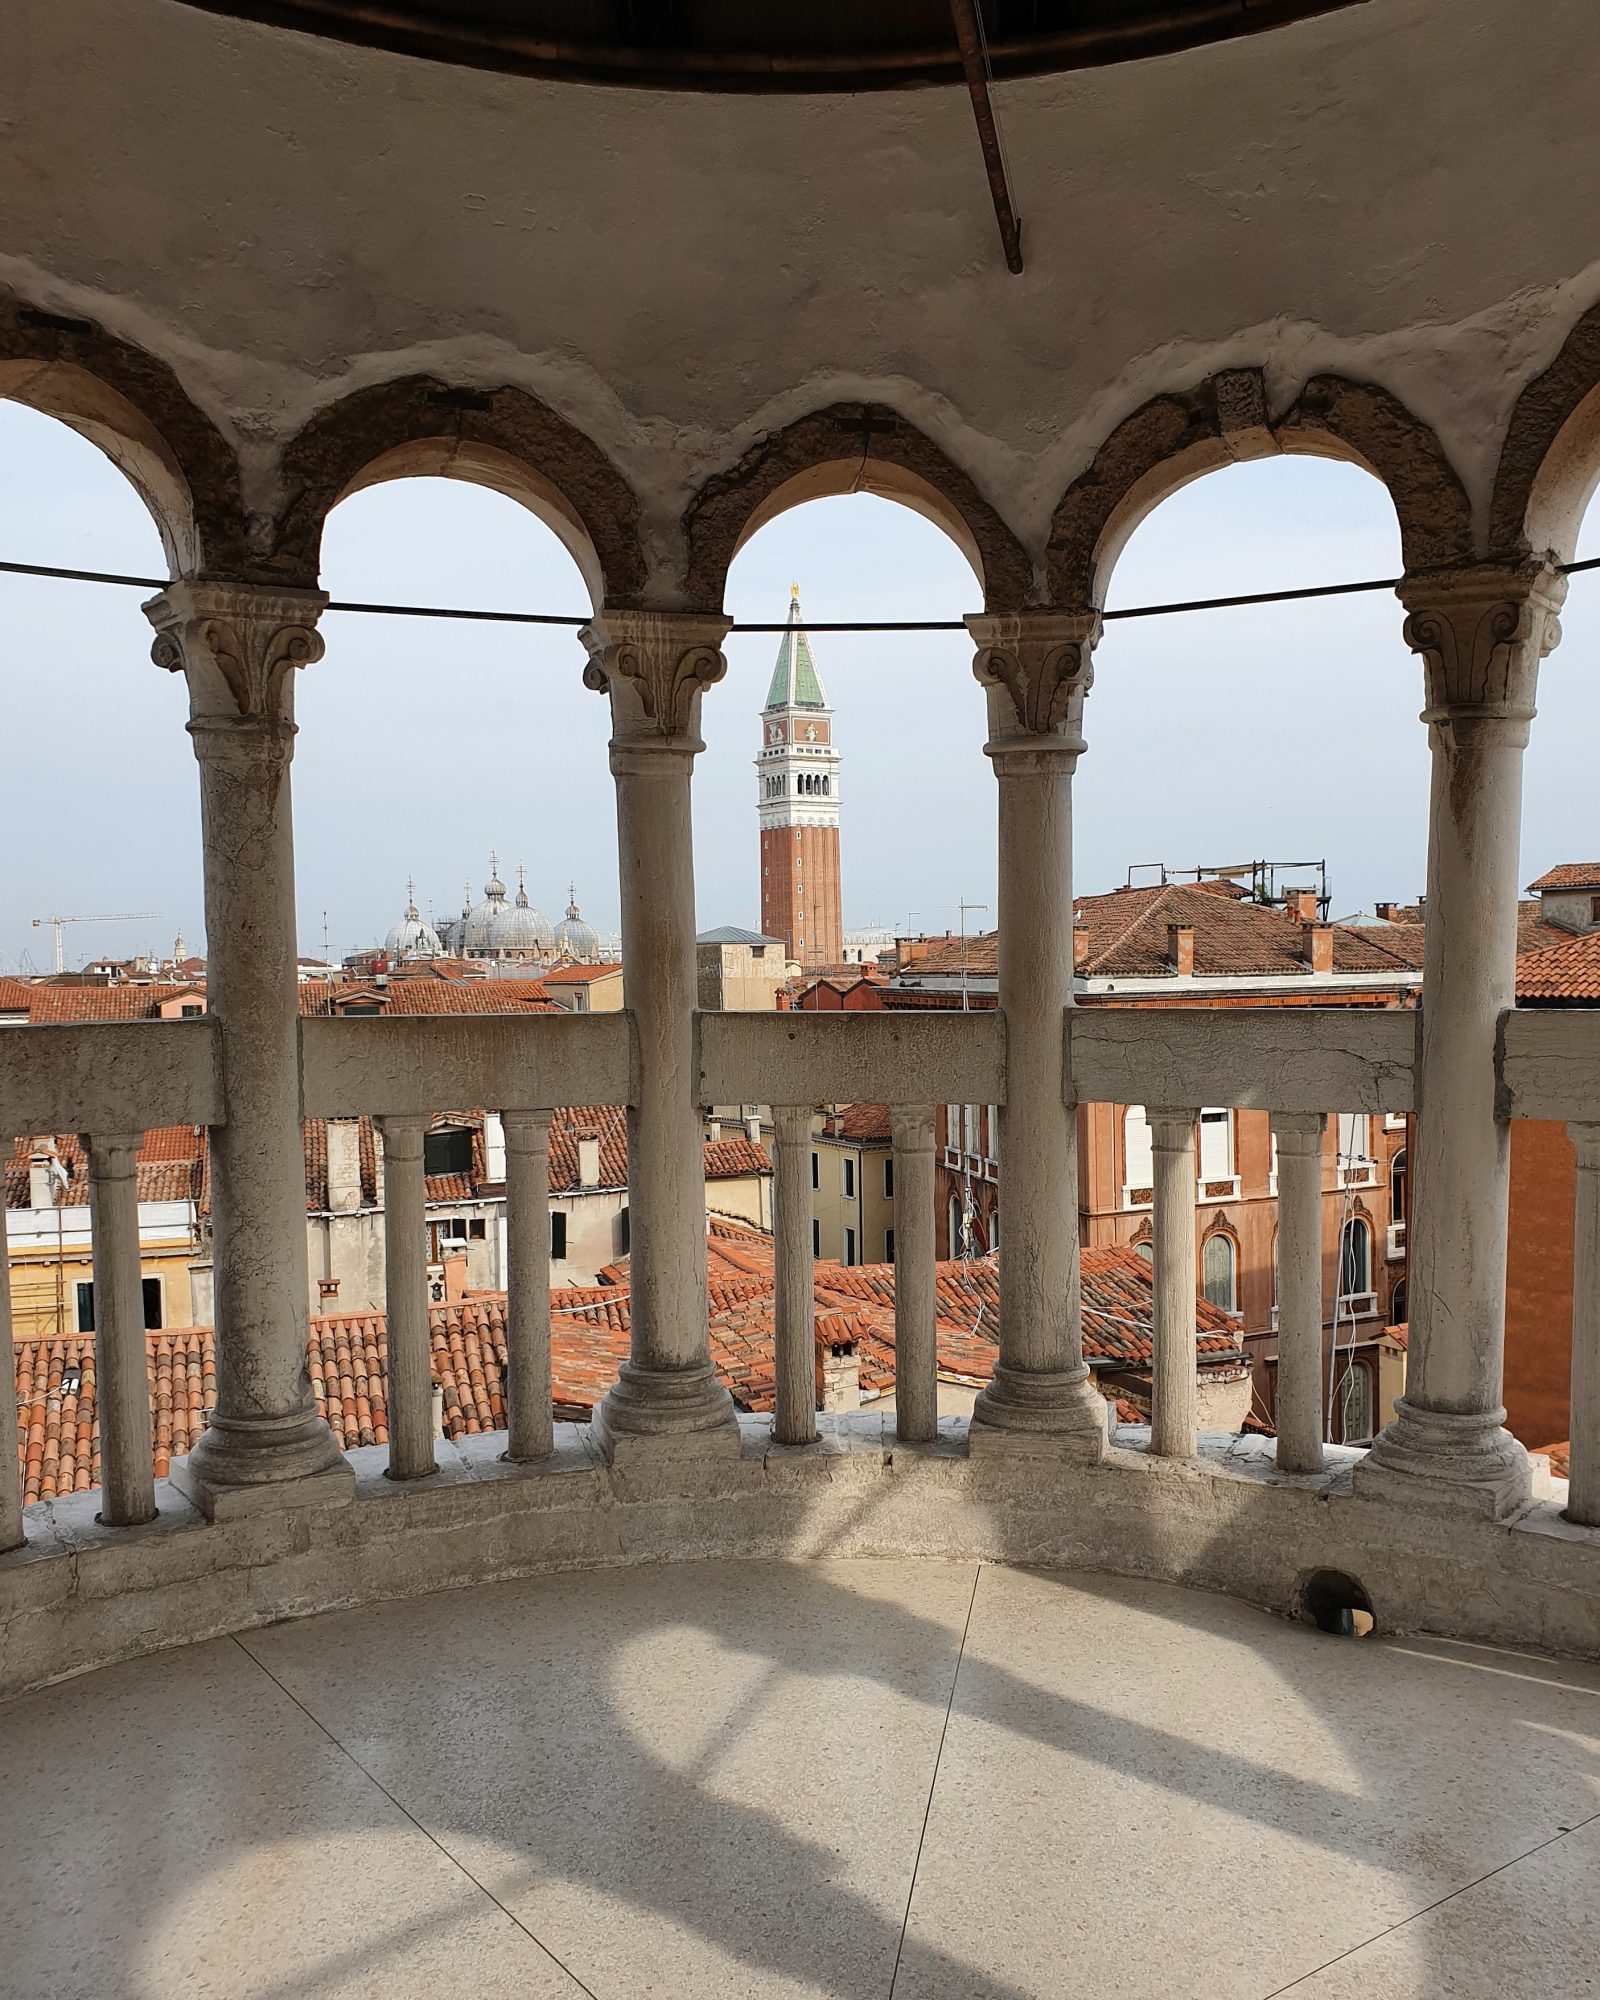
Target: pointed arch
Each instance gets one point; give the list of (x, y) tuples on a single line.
[(1550, 460), (501, 438), (848, 448), (1176, 438), (133, 407)]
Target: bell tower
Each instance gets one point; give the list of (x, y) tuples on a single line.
[(797, 800)]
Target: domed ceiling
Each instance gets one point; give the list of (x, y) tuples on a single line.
[(775, 44)]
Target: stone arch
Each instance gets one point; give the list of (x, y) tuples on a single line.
[(501, 438), (849, 448), (1550, 460), (1176, 438), (133, 407)]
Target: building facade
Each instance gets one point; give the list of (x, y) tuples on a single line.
[(797, 800)]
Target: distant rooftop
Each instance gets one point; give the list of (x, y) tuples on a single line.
[(732, 934)]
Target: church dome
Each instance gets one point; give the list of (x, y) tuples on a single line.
[(411, 937), (522, 927), (574, 938), (477, 924)]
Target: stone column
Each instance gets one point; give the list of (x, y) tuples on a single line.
[(1583, 1426), (530, 1420), (11, 1535), (237, 647), (1299, 1397), (1035, 667), (1174, 1395), (794, 1418), (405, 1290), (916, 1357), (121, 1356), (654, 666), (1481, 634)]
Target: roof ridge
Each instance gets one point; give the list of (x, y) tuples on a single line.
[(1122, 936)]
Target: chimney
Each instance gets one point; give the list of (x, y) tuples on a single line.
[(1180, 949), (1316, 946), (588, 1159), (713, 1129), (1303, 905), (455, 1277), (438, 1411), (752, 1128), (838, 1370), (42, 1182), (1384, 912), (344, 1165), (1080, 946)]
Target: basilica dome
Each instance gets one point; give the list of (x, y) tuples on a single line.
[(574, 938), (522, 928), (411, 937), (477, 925)]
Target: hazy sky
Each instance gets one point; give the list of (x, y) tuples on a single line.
[(1286, 732)]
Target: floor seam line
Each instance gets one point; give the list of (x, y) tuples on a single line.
[(1438, 1903), (378, 1785), (933, 1781)]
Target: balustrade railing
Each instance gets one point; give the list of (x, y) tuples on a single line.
[(112, 1082)]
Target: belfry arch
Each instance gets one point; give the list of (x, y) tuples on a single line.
[(504, 438), (1180, 436), (849, 448), (133, 407)]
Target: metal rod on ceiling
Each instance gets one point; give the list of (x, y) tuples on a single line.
[(969, 38)]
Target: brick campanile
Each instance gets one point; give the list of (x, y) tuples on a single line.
[(797, 784)]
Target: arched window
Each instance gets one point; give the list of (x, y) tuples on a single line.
[(1397, 1304), (1219, 1270), (1355, 1259), (1399, 1187), (1146, 1249), (1138, 1156)]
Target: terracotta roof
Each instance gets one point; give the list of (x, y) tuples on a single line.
[(48, 1005), (1533, 933), (1127, 935), (58, 1443), (898, 998), (731, 1159), (864, 1122), (168, 1167), (578, 975), (430, 996), (1568, 875), (1569, 970), (947, 955), (1560, 1457)]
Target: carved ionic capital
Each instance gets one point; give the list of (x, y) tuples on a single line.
[(237, 646), (1037, 669), (1481, 634), (655, 665)]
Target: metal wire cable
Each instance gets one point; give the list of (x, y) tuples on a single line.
[(1307, 592)]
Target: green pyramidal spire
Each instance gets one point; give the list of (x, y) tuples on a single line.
[(795, 680)]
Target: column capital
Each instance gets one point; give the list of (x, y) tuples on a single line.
[(1172, 1124), (236, 644), (1481, 633), (402, 1134), (1585, 1144), (1298, 1131), (655, 665), (1036, 667), (911, 1127), (526, 1127)]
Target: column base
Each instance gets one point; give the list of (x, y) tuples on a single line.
[(244, 1467), (1437, 1459), (1027, 1409), (652, 1410)]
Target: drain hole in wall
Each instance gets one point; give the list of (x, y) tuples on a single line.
[(1336, 1603)]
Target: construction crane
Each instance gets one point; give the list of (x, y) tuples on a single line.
[(116, 917)]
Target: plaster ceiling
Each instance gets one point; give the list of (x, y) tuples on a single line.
[(760, 45)]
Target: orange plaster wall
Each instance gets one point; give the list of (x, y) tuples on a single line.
[(1539, 1282)]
